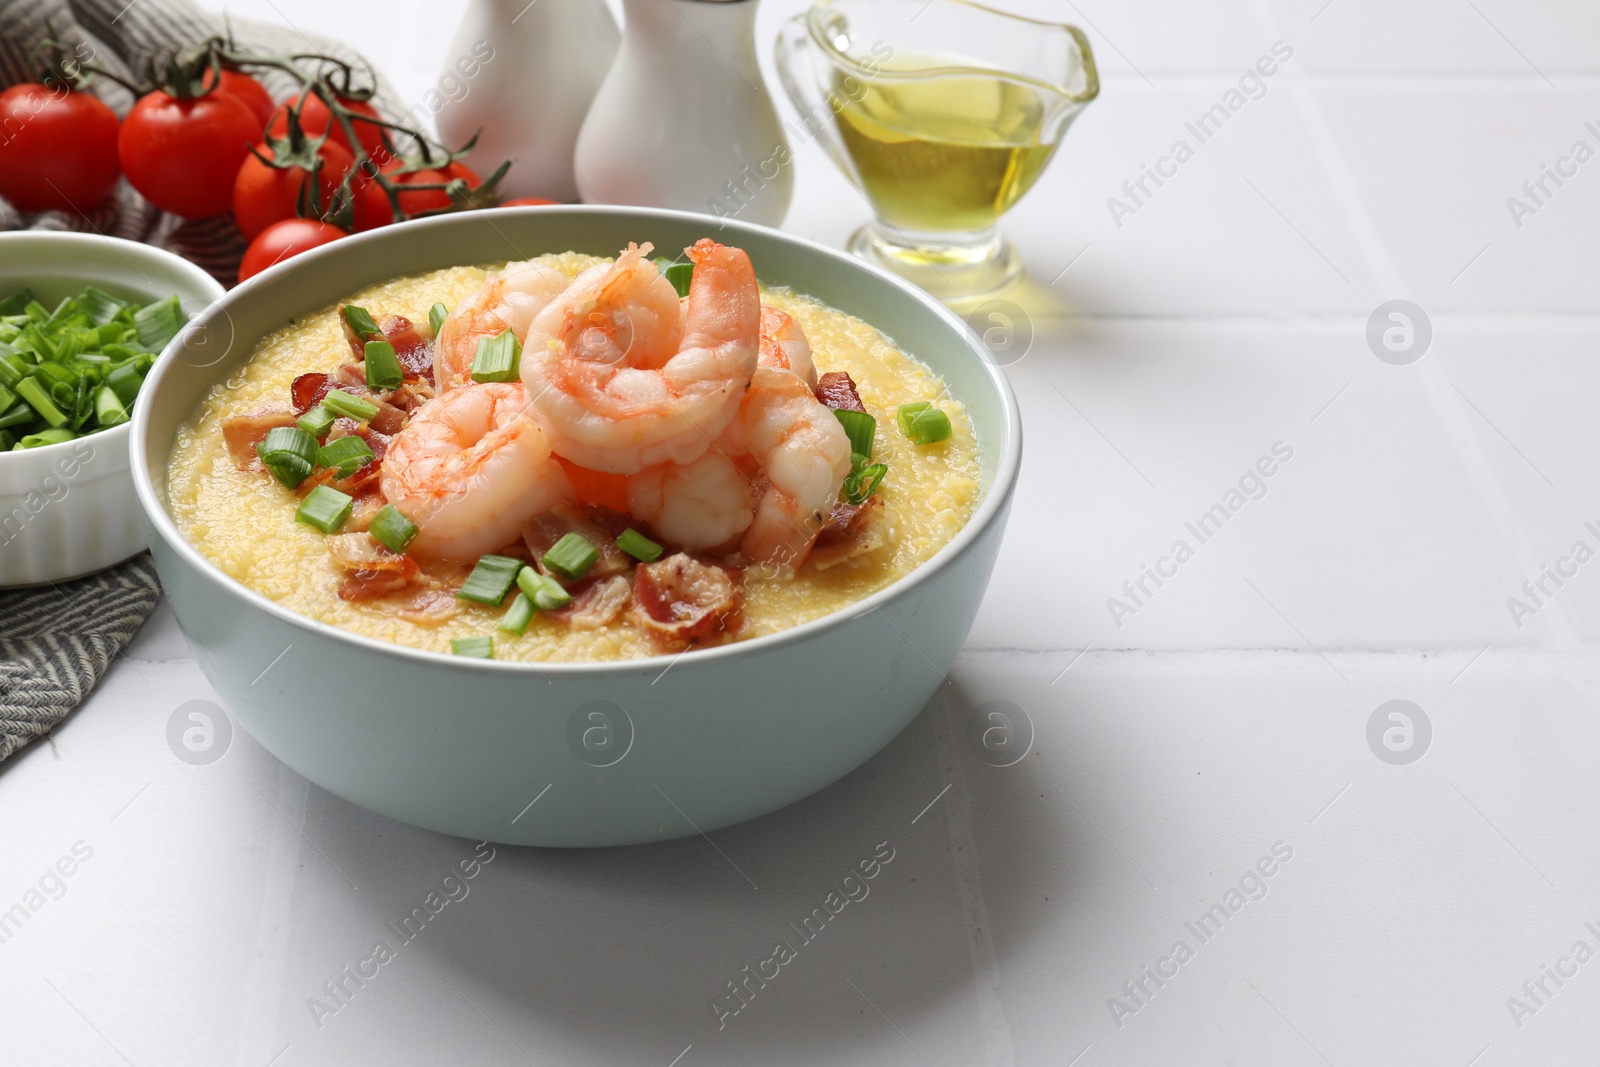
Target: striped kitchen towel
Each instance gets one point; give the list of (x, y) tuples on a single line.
[(121, 36), (57, 640)]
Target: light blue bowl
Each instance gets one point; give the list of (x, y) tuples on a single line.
[(605, 753)]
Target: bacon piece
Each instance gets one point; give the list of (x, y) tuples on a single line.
[(307, 391), (598, 603), (428, 604), (837, 390), (680, 601), (414, 351), (242, 433), (851, 530), (371, 571), (544, 531)]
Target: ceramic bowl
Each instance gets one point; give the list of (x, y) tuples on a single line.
[(68, 510), (576, 754)]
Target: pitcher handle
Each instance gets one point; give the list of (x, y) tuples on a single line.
[(800, 69)]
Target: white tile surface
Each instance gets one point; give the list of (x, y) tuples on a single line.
[(1228, 713)]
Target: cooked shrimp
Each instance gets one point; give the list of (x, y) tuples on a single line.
[(805, 453), (511, 298), (697, 505), (470, 468), (621, 383), (784, 344)]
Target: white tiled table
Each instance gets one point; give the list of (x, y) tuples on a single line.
[(1171, 753)]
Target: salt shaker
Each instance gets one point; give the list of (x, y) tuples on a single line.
[(525, 73), (683, 119)]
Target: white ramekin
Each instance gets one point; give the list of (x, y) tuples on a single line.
[(68, 510)]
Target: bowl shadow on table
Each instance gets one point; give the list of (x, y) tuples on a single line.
[(623, 950)]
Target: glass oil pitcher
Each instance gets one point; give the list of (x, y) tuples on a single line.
[(943, 113)]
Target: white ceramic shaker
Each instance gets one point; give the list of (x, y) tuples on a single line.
[(683, 120), (525, 73)]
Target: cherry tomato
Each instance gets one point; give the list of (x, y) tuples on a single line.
[(421, 201), (250, 92), (457, 169), (58, 151), (264, 194), (372, 204), (183, 155), (283, 239), (525, 201), (316, 120)]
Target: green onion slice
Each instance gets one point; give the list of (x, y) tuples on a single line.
[(342, 403), (347, 455), (490, 580), (639, 546), (38, 398), (860, 427), (863, 479), (436, 316), (383, 367), (108, 407), (498, 359), (571, 556), (922, 423), (317, 422), (680, 275), (46, 437), (288, 452), (392, 529), (480, 647), (159, 323), (325, 508), (518, 615), (360, 321), (545, 592)]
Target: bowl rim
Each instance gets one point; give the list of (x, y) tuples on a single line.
[(123, 247), (1008, 461)]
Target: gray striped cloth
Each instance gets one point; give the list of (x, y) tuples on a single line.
[(121, 36), (57, 641)]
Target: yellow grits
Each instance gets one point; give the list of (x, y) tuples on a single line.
[(243, 521)]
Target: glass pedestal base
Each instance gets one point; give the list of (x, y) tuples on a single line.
[(948, 266)]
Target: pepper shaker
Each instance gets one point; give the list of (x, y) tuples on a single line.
[(525, 74), (683, 119)]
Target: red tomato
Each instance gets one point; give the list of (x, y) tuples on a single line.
[(58, 151), (316, 120), (183, 155), (457, 169), (525, 201), (250, 93), (372, 204), (423, 200), (284, 239), (265, 194)]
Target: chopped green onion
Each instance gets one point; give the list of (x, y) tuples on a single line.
[(361, 322), (10, 373), (490, 580), (16, 303), (125, 381), (317, 422), (392, 529), (571, 556), (923, 423), (639, 546), (159, 323), (101, 307), (7, 398), (108, 407), (18, 415), (288, 452), (347, 455), (53, 436), (325, 508), (679, 274), (498, 358), (8, 441), (480, 647), (860, 427), (518, 615), (545, 592), (383, 368), (39, 400), (863, 479), (342, 403), (436, 316)]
